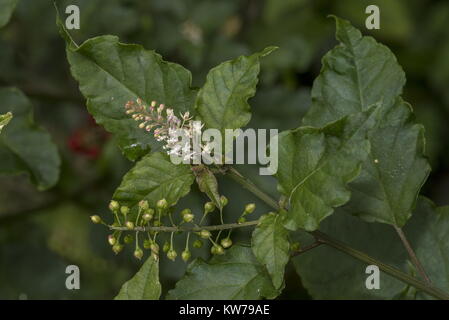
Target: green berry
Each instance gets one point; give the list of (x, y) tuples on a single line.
[(166, 247), (249, 208), (147, 217), (162, 204), (186, 255), (147, 244), (149, 211), (128, 239), (197, 243), (188, 217), (112, 240), (223, 201), (124, 210), (205, 234), (114, 205), (209, 207), (226, 243), (241, 220), (95, 219), (217, 249), (129, 225), (143, 205), (171, 254), (138, 253), (117, 248)]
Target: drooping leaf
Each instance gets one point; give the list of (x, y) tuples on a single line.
[(235, 275), (153, 178), (144, 285), (355, 74), (271, 247), (222, 103), (208, 184), (331, 274), (24, 146), (4, 120), (315, 166), (6, 9), (110, 73)]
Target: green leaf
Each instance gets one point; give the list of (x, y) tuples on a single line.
[(331, 274), (316, 164), (111, 73), (355, 74), (4, 120), (6, 9), (153, 178), (24, 146), (144, 285), (271, 247), (208, 184), (222, 103), (233, 276)]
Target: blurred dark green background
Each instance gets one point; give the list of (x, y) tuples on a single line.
[(42, 233)]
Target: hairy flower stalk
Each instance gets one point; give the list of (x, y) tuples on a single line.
[(168, 129)]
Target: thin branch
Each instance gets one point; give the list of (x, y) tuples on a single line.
[(412, 255), (190, 229), (324, 238)]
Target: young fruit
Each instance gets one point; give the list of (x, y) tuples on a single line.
[(124, 210), (223, 201), (138, 253), (171, 254), (241, 220), (129, 225), (197, 243), (186, 211), (188, 217), (166, 247), (205, 234), (217, 249), (114, 205), (147, 244), (249, 208), (226, 243), (128, 239), (147, 217), (143, 205), (186, 255), (117, 248), (209, 207), (162, 204)]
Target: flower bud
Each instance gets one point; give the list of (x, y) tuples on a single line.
[(117, 248), (226, 243), (166, 247), (171, 254), (138, 253), (111, 239), (114, 205), (249, 208), (188, 217), (162, 204), (205, 234), (197, 243), (143, 205), (223, 201), (209, 207), (186, 255), (124, 210), (129, 225), (149, 211), (95, 219), (241, 220), (128, 239)]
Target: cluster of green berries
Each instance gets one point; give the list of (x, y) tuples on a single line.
[(146, 216)]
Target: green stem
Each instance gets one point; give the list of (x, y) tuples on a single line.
[(325, 239), (191, 229)]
